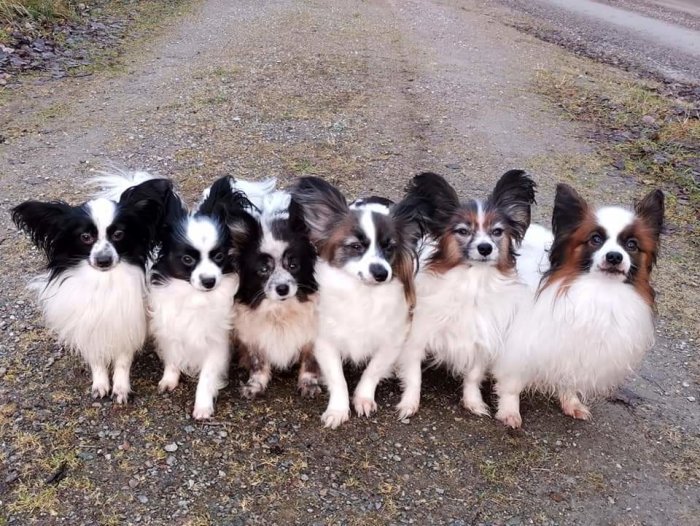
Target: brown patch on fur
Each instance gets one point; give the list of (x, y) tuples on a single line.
[(574, 255), (328, 248), (643, 258), (402, 268), (448, 255), (248, 357)]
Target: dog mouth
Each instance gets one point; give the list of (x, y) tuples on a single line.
[(612, 271)]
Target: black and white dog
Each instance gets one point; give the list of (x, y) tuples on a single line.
[(92, 295)]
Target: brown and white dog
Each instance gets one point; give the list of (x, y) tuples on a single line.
[(592, 319)]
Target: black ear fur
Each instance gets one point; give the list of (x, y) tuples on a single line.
[(223, 201), (322, 203), (569, 210), (514, 194), (651, 210), (42, 221), (430, 202), (296, 218)]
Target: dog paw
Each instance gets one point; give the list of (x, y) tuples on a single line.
[(251, 389), (309, 387), (120, 394), (512, 420), (407, 408), (100, 390), (364, 406), (332, 418), (478, 407), (167, 384), (203, 412), (576, 409)]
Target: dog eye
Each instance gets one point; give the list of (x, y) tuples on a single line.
[(292, 265), (117, 235), (596, 240), (497, 232), (218, 257), (87, 238), (357, 247), (188, 261), (462, 231), (389, 249), (632, 245)]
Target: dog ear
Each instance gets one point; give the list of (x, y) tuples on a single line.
[(651, 211), (42, 221), (297, 224), (149, 201), (569, 211), (322, 204), (514, 194), (429, 203)]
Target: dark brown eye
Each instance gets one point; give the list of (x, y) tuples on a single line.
[(117, 235), (87, 238), (357, 247), (292, 265), (462, 231), (632, 245), (188, 261), (218, 257), (596, 240), (497, 232)]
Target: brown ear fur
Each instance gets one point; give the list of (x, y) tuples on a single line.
[(403, 270)]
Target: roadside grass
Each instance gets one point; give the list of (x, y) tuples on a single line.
[(18, 11)]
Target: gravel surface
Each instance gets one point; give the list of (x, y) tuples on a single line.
[(364, 94)]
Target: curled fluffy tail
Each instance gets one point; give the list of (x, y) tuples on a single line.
[(112, 184)]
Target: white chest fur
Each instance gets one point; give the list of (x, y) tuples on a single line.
[(358, 318), (187, 322), (99, 314), (279, 329)]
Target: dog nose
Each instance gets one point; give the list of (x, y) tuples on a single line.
[(103, 260), (208, 282), (614, 258), (282, 290), (484, 248), (379, 272)]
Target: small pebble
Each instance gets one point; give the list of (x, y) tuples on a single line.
[(691, 399), (304, 477), (143, 499), (133, 483), (171, 448)]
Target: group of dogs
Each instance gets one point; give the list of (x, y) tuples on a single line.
[(303, 276)]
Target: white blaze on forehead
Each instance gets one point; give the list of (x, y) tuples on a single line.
[(370, 207), (202, 234), (369, 229), (102, 212), (272, 246), (614, 220)]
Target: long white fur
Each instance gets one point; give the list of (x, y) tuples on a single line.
[(533, 259), (114, 182), (101, 315), (358, 322), (460, 321), (191, 328), (584, 341)]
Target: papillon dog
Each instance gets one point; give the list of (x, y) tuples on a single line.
[(365, 277), (592, 319), (93, 293), (275, 309), (467, 288), (193, 280)]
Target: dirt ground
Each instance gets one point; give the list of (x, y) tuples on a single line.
[(364, 94)]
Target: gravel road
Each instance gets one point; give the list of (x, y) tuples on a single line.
[(364, 94)]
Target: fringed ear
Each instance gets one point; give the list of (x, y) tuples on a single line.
[(296, 218), (403, 268), (430, 202), (244, 229), (651, 211), (149, 201), (221, 201), (513, 195), (569, 211), (322, 204), (42, 221)]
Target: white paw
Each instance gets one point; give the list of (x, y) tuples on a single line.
[(167, 384), (120, 393), (407, 408), (577, 410), (364, 406), (309, 387), (203, 412), (332, 418), (510, 419), (478, 407), (100, 390), (251, 389)]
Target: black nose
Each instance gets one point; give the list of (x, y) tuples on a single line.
[(484, 248), (379, 272), (282, 290), (614, 258), (103, 261), (208, 282)]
